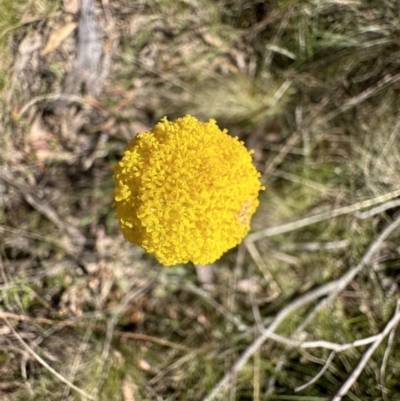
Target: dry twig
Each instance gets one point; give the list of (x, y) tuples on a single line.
[(330, 289), (377, 210), (319, 375), (390, 326), (384, 363)]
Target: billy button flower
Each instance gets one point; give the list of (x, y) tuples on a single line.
[(185, 191)]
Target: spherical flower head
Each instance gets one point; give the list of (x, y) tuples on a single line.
[(185, 191)]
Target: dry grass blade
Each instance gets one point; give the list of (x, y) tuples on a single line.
[(363, 96), (45, 364), (385, 359), (101, 329), (295, 225), (277, 160)]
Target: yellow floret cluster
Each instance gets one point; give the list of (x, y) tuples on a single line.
[(185, 191)]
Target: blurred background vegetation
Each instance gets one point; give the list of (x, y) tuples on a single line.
[(312, 86)]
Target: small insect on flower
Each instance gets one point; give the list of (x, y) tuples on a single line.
[(185, 191)]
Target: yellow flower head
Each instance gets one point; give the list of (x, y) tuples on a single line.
[(185, 191)]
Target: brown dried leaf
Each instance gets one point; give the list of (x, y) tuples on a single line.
[(57, 37)]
